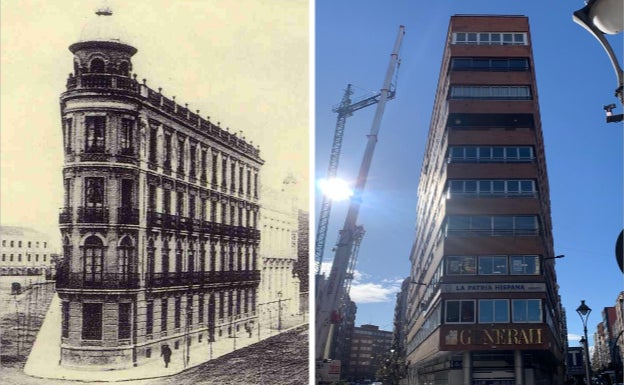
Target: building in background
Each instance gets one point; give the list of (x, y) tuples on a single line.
[(279, 223), (160, 219), (369, 349), (606, 359), (25, 251), (483, 305), (302, 265)]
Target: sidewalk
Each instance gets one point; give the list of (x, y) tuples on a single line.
[(44, 358)]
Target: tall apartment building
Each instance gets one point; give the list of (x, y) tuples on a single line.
[(483, 304), (369, 349), (159, 224), (25, 251)]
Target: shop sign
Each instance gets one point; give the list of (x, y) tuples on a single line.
[(492, 287), (493, 336)]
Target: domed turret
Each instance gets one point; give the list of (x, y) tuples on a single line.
[(103, 46)]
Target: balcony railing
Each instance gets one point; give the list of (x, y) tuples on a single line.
[(128, 216), (80, 280), (102, 81), (201, 278), (175, 222), (92, 215)]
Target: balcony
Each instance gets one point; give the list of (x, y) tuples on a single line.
[(65, 215), (102, 81), (128, 216), (79, 280), (201, 278), (92, 214), (176, 222)]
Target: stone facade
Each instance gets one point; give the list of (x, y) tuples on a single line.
[(160, 219)]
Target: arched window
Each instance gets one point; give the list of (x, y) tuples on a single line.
[(93, 260), (125, 254), (124, 68), (96, 65)]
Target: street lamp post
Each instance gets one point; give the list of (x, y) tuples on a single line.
[(600, 17), (583, 312), (279, 311)]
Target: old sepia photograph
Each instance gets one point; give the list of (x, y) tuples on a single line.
[(154, 192)]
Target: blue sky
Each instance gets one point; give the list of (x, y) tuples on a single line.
[(584, 154)]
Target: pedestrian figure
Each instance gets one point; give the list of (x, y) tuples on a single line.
[(165, 352), (248, 329)]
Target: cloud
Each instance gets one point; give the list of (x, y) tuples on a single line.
[(365, 290), (574, 337)]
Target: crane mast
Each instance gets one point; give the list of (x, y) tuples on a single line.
[(345, 109), (329, 293)]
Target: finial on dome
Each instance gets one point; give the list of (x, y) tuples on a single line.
[(104, 10)]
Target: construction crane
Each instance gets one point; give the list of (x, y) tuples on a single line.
[(331, 291), (345, 109)]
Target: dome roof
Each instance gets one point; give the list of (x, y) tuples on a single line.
[(104, 28)]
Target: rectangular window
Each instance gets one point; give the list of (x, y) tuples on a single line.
[(490, 92), (91, 321), (127, 136), (192, 161), (490, 38), (203, 208), (167, 201), (64, 319), (94, 192), (153, 144), (493, 311), (181, 156), (493, 265), (204, 165), (95, 132), (200, 309), (151, 197), (191, 208), (163, 314), (524, 265), (460, 311), (526, 310), (149, 318), (463, 265), (177, 312), (167, 152), (214, 169), (123, 325), (224, 168), (127, 186), (68, 135), (180, 204)]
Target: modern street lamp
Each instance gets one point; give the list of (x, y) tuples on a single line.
[(600, 17), (583, 312)]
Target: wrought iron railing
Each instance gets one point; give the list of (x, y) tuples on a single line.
[(80, 280), (92, 214)]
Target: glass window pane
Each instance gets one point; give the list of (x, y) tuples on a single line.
[(518, 64), (485, 152), (499, 64), (513, 186), (453, 265), (503, 223), (456, 186), (499, 265), (498, 153), (485, 187), (518, 38), (471, 152), (501, 310), (461, 63), (481, 64), (517, 265), (519, 310), (472, 37), (485, 265), (486, 311), (452, 311), (534, 311), (507, 38), (458, 222), (498, 186), (511, 152), (531, 264), (495, 38), (457, 152), (467, 311), (470, 186), (469, 266), (524, 152), (481, 222), (526, 186), (460, 37), (484, 38), (525, 223)]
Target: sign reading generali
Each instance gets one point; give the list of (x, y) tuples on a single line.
[(461, 337)]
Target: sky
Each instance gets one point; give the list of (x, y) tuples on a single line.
[(583, 153), (244, 63)]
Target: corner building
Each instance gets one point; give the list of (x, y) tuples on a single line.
[(483, 305), (159, 225)]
